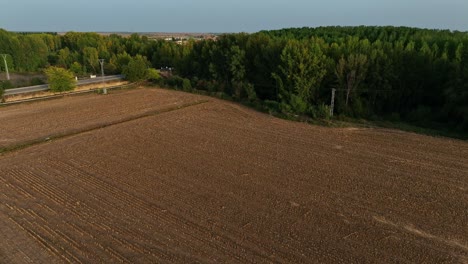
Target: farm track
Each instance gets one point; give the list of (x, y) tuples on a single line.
[(216, 182)]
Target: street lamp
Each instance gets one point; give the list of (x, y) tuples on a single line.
[(6, 66)]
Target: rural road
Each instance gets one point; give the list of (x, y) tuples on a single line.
[(45, 87)]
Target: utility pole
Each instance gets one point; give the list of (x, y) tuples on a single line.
[(101, 61), (332, 104), (6, 66)]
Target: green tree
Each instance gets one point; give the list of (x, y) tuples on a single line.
[(76, 68), (351, 72), (301, 71), (137, 69), (121, 60), (60, 79), (64, 57), (237, 68), (91, 58)]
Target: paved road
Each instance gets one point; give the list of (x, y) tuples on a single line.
[(45, 87)]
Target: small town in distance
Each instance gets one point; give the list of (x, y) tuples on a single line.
[(179, 38)]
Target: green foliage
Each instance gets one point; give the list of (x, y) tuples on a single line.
[(301, 70), (153, 75), (237, 64), (380, 72), (298, 105), (350, 72), (121, 60), (60, 79), (137, 69), (64, 58), (175, 82), (36, 81), (6, 84), (186, 85), (91, 58), (2, 91), (359, 108), (272, 106), (320, 111), (76, 68), (250, 90), (9, 61)]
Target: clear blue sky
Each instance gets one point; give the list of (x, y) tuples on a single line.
[(226, 16)]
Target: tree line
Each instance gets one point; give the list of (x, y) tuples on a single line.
[(394, 73)]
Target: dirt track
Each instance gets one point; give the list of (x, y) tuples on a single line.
[(216, 182)]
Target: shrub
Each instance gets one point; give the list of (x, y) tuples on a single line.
[(212, 86), (194, 81), (201, 85), (250, 90), (271, 106), (60, 79), (285, 108), (322, 111), (186, 85), (358, 107), (298, 105), (6, 84), (153, 75)]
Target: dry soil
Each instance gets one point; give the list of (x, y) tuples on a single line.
[(157, 176)]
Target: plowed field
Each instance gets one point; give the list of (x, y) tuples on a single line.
[(157, 176)]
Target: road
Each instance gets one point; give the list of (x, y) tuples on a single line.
[(45, 87)]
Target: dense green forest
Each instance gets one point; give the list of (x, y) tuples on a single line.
[(419, 76)]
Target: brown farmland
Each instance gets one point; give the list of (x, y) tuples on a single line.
[(157, 176)]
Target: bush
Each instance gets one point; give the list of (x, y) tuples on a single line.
[(186, 85), (321, 111), (201, 85), (285, 108), (213, 86), (153, 75), (250, 90), (60, 79), (271, 106), (175, 82), (358, 108), (6, 84), (298, 105)]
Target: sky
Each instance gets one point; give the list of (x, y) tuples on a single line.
[(219, 16)]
